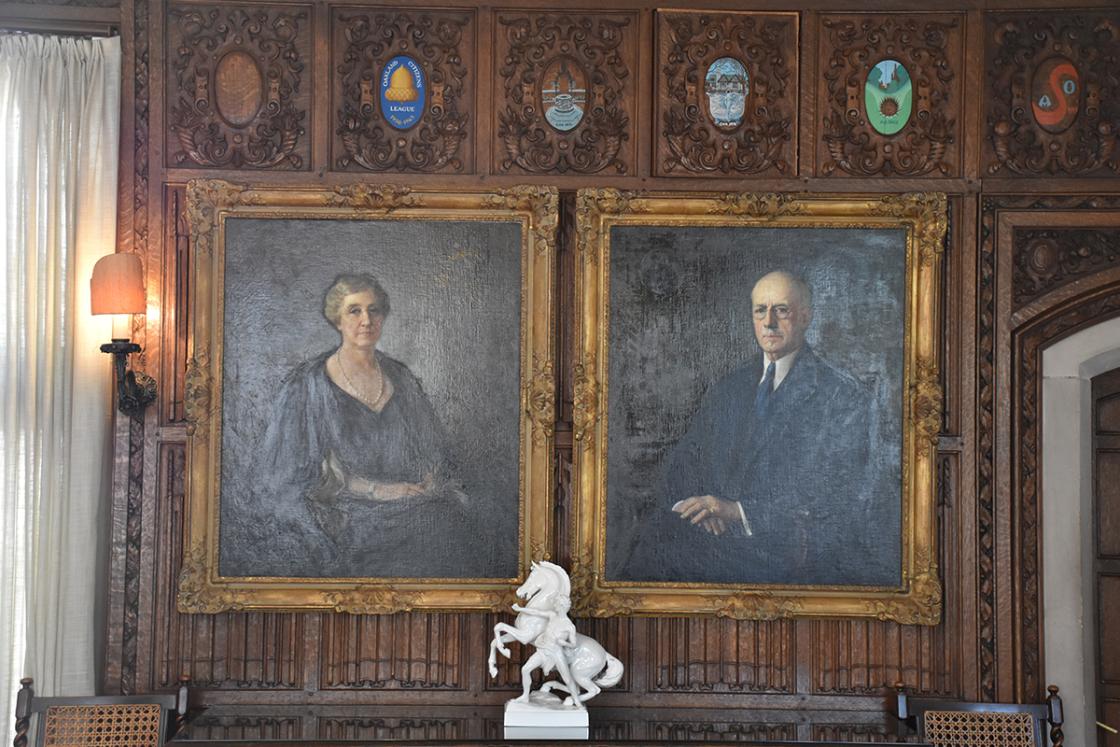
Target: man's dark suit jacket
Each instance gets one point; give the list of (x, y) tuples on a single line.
[(802, 473)]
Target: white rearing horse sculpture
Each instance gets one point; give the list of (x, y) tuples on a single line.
[(590, 666)]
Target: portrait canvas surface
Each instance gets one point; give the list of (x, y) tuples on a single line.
[(758, 405), (359, 438), (685, 366), (452, 341)]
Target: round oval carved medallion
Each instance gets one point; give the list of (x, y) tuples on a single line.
[(238, 88), (726, 87), (403, 92), (563, 89), (888, 97), (1056, 94)]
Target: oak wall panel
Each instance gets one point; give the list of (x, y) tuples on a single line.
[(690, 141), (931, 49), (240, 86), (1031, 257), (363, 42), (696, 655), (1072, 59), (594, 58), (414, 650)]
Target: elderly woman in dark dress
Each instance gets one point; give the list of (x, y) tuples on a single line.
[(354, 476)]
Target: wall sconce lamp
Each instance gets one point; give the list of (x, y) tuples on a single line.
[(117, 287)]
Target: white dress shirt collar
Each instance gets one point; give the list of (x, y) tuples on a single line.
[(781, 370)]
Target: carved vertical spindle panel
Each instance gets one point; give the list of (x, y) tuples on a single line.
[(392, 729), (860, 733), (230, 650), (409, 650), (719, 655), (865, 657), (243, 728), (713, 731), (239, 86)]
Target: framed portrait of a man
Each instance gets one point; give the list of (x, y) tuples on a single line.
[(370, 396), (757, 405)]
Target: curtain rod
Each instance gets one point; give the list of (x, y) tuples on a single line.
[(59, 27)]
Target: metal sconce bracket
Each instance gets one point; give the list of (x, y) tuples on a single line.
[(135, 390)]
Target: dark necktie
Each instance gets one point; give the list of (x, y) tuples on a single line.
[(765, 392)]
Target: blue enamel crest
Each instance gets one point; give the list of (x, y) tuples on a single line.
[(403, 92)]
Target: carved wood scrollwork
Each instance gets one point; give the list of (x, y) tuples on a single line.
[(929, 48), (764, 140), (441, 44), (565, 93), (1018, 46), (238, 75), (1047, 258)]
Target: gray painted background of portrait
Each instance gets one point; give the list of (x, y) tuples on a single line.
[(455, 290), (680, 319)]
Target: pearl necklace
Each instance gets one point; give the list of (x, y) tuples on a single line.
[(372, 403)]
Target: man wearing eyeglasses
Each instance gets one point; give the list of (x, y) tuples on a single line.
[(776, 463)]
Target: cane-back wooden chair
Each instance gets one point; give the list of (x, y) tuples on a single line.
[(956, 723), (98, 721)]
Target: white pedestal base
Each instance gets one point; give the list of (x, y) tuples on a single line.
[(545, 717)]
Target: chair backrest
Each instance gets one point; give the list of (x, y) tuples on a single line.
[(98, 721), (957, 723)]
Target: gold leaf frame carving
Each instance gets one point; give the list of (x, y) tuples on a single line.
[(201, 588), (918, 598)]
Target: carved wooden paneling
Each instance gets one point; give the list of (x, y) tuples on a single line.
[(133, 547), (865, 657), (874, 733), (722, 731), (231, 650), (1072, 60), (176, 298), (564, 93), (208, 727), (715, 655), (762, 139), (83, 3), (985, 315), (364, 42), (930, 48), (240, 86), (602, 728), (247, 650), (1047, 258), (1098, 299), (398, 729), (170, 54), (1028, 422), (412, 650)]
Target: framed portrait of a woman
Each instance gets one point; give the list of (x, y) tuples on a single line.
[(370, 396)]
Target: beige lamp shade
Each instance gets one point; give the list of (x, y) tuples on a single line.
[(117, 285)]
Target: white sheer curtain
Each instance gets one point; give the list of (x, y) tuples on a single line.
[(59, 140)]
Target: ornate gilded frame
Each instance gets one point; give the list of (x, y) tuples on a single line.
[(210, 203), (918, 598)]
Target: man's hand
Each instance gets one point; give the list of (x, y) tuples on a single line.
[(710, 513)]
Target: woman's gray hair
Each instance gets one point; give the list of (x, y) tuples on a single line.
[(343, 286)]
